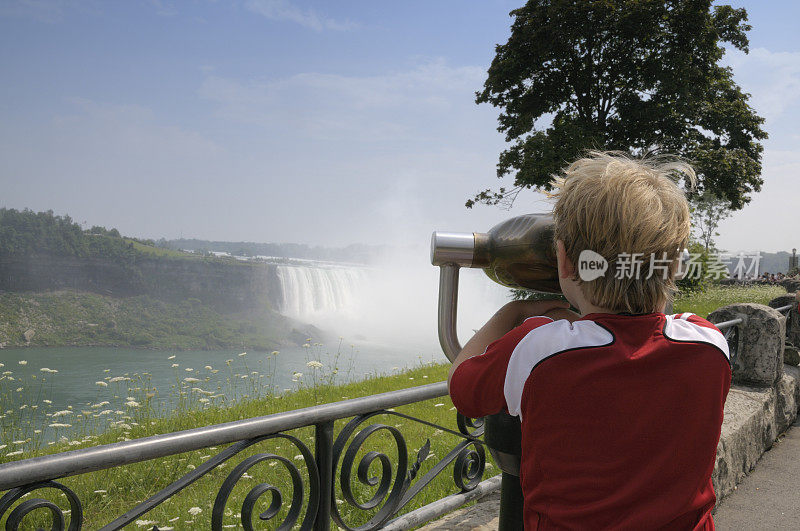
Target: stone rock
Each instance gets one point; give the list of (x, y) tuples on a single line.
[(28, 335), (791, 285), (792, 317), (785, 403), (759, 358), (782, 300), (791, 356), (748, 429)]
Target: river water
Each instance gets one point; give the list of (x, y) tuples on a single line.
[(387, 318), (77, 379)]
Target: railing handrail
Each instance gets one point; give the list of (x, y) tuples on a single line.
[(27, 471), (733, 322), (727, 324)]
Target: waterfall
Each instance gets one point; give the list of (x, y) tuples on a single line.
[(320, 290), (392, 302)]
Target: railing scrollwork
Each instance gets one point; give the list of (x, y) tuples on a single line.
[(374, 480), (25, 508)]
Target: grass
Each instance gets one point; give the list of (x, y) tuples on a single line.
[(717, 296), (109, 493), (160, 251)]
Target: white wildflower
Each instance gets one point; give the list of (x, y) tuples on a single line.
[(12, 454), (171, 357), (132, 403), (208, 367), (101, 384), (194, 511), (191, 380), (314, 364), (23, 362), (243, 354), (59, 425)]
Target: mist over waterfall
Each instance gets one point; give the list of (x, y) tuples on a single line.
[(391, 302)]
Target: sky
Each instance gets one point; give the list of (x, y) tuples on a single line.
[(327, 123)]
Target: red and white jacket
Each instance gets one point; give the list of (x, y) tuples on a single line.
[(621, 416)]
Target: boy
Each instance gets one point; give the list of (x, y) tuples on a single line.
[(621, 405)]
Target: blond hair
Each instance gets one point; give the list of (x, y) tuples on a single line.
[(620, 207)]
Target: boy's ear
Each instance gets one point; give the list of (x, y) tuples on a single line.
[(566, 269)]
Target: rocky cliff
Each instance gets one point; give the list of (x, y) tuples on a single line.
[(225, 285)]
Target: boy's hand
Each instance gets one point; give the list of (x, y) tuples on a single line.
[(508, 317)]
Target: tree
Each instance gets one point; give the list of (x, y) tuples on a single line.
[(638, 76), (708, 211)]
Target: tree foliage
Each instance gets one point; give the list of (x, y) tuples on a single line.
[(25, 233), (632, 75), (708, 211)]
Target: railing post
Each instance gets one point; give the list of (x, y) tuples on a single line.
[(503, 437), (323, 448)]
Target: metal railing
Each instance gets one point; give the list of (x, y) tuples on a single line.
[(396, 486)]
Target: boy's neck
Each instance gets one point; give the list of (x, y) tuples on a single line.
[(587, 308)]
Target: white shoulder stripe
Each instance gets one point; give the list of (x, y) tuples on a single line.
[(543, 342), (679, 328)]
